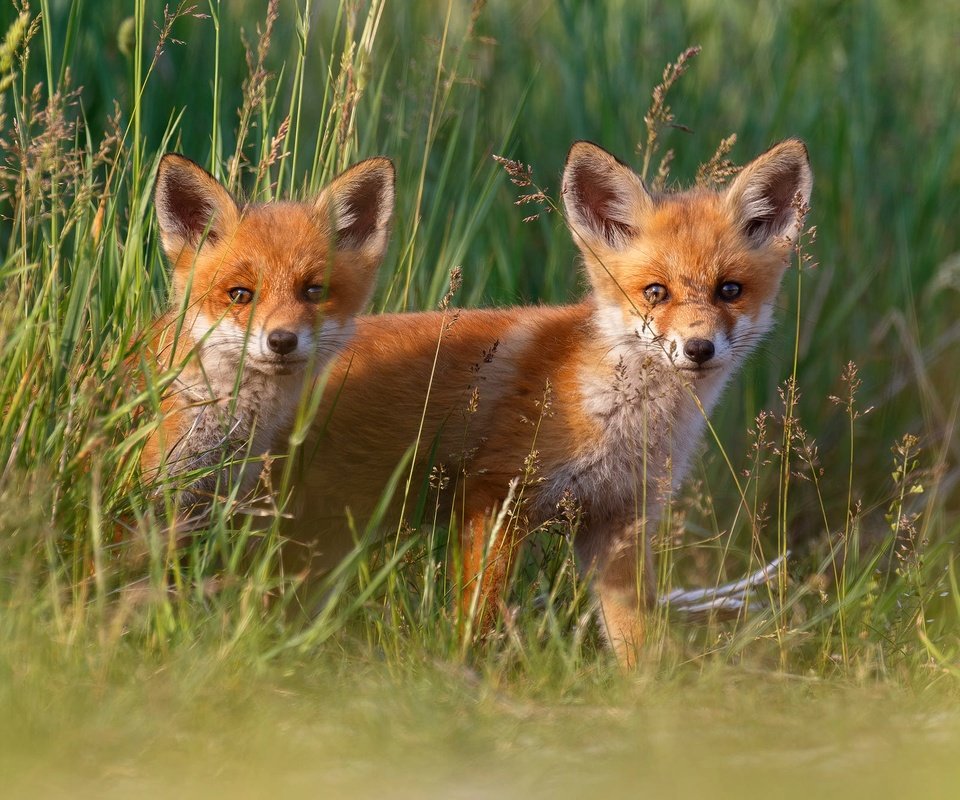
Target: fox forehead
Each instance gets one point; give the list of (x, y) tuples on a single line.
[(283, 240), (272, 249), (688, 237), (691, 243)]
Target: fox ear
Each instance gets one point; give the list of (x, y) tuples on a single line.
[(604, 199), (190, 204), (359, 205), (764, 195)]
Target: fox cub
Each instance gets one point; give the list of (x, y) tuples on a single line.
[(600, 403), (263, 296)]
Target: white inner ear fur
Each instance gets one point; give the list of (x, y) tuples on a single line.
[(189, 204), (765, 192), (756, 205), (344, 213), (350, 198), (347, 212), (602, 198)]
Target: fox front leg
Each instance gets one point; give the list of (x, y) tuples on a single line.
[(489, 540), (617, 554)]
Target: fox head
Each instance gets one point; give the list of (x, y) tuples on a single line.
[(276, 284), (693, 276)]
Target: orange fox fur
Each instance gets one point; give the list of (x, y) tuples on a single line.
[(263, 295), (683, 287)]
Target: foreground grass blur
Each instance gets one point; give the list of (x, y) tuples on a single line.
[(197, 728)]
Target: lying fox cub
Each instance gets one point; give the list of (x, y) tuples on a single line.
[(683, 287), (263, 296)]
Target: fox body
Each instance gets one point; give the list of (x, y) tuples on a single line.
[(263, 296), (600, 403)]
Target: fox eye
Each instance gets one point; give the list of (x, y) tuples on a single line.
[(240, 296), (730, 290), (315, 293), (655, 293)]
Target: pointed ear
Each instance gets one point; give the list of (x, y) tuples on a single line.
[(604, 199), (190, 203), (359, 205), (763, 196)]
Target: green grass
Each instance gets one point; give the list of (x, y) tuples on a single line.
[(360, 729), (198, 671)]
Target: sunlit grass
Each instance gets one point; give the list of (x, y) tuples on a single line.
[(194, 726)]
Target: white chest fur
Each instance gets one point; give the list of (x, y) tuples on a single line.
[(231, 424), (650, 420)]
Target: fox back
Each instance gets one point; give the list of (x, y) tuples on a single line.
[(600, 404)]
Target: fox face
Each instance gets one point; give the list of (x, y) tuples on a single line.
[(689, 278), (273, 287)]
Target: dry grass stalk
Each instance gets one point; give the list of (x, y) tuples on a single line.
[(169, 18), (521, 175), (719, 169), (276, 152), (660, 115), (254, 89)]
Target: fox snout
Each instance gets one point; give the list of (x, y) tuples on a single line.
[(699, 350), (282, 342)]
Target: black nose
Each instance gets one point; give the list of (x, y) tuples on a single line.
[(698, 350), (282, 342)]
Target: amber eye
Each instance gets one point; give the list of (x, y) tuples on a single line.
[(730, 290), (316, 293), (655, 293), (240, 296)]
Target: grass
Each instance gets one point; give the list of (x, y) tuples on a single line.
[(199, 674), (427, 729)]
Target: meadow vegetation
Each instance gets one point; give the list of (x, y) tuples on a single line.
[(837, 447)]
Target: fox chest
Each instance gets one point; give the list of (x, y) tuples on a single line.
[(639, 454), (229, 428)]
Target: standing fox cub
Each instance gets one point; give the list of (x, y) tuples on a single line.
[(263, 296), (683, 287)]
